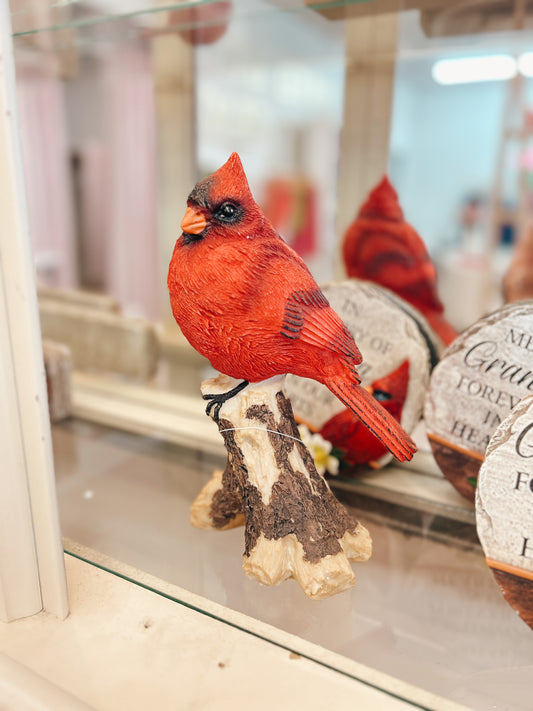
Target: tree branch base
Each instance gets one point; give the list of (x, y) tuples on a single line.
[(294, 525)]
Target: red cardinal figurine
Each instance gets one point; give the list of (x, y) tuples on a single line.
[(382, 247), (246, 301)]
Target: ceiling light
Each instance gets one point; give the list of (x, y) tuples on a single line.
[(473, 69), (525, 64)]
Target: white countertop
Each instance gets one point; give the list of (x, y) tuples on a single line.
[(126, 647)]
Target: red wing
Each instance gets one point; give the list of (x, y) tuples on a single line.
[(309, 317)]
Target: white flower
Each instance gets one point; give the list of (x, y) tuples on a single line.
[(320, 450)]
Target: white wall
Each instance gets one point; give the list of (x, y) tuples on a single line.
[(444, 148)]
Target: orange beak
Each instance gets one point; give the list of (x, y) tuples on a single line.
[(193, 222)]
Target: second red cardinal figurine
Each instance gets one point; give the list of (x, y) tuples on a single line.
[(382, 247), (246, 301)]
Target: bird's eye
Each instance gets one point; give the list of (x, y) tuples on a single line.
[(382, 395), (227, 212)]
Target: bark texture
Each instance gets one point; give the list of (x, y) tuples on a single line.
[(294, 525)]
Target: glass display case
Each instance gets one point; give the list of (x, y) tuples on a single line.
[(123, 106)]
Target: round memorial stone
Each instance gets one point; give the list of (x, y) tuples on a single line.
[(398, 348), (504, 507), (482, 375)]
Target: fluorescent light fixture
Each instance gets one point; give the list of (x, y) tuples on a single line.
[(465, 70), (525, 64)]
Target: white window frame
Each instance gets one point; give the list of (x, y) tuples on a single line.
[(32, 572)]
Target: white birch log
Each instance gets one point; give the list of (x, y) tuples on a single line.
[(294, 525)]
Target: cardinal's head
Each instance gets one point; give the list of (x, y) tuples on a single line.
[(222, 205), (382, 247)]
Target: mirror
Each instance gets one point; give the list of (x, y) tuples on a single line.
[(122, 109)]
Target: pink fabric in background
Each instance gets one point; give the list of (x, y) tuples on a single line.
[(117, 209), (132, 265), (46, 172)]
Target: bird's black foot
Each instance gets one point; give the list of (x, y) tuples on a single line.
[(216, 401)]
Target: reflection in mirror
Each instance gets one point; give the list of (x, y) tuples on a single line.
[(108, 157)]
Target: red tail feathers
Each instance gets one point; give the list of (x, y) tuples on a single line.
[(375, 417)]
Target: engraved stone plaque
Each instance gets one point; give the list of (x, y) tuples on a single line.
[(479, 379), (397, 345), (504, 507)]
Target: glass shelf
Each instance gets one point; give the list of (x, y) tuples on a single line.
[(424, 609), (103, 21), (135, 17)]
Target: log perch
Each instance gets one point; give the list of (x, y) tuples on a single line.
[(294, 525)]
